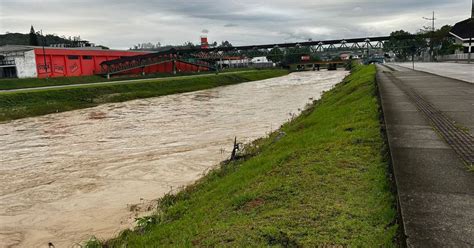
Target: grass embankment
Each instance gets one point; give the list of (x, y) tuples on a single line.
[(34, 102), (21, 83), (322, 183)]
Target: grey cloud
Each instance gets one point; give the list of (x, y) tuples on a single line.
[(121, 23)]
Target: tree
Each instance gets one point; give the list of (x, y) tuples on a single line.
[(225, 44), (189, 44), (33, 37), (146, 46), (276, 55), (294, 54), (443, 42), (403, 45)]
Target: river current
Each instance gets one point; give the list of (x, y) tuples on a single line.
[(67, 176)]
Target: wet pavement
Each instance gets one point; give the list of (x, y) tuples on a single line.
[(66, 176), (459, 71), (435, 189)]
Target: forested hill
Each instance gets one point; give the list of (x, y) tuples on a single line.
[(24, 39)]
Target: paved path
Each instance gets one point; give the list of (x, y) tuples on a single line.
[(435, 188), (464, 72), (114, 82)]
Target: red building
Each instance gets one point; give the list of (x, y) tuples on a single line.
[(31, 61), (64, 62)]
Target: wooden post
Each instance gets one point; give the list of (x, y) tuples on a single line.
[(234, 150)]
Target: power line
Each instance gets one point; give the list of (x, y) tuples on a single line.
[(432, 19)]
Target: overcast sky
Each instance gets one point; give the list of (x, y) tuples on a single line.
[(121, 24)]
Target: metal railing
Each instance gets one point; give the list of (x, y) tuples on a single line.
[(7, 62)]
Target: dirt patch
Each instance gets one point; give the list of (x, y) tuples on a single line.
[(255, 203)]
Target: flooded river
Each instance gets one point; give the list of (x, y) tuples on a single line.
[(66, 176)]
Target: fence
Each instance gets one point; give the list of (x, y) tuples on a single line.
[(455, 57), (7, 62)]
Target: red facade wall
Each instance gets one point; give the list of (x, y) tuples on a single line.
[(74, 62)]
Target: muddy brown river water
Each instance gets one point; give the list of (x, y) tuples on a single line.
[(66, 176)]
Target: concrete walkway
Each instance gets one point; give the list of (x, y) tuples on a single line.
[(464, 72), (435, 188)]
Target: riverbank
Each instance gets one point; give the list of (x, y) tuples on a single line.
[(16, 105), (23, 83), (319, 181), (94, 170)]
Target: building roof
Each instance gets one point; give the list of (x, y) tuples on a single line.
[(464, 29), (15, 48), (21, 48)]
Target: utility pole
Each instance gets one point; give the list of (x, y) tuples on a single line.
[(469, 50), (44, 54), (471, 33), (432, 19)]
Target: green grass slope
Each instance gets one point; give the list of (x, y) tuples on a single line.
[(20, 83), (34, 102), (323, 183)]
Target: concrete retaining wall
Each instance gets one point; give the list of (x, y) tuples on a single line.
[(26, 65)]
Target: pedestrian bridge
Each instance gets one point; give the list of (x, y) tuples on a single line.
[(207, 57)]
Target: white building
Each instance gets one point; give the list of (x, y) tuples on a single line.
[(17, 61), (234, 62), (463, 32), (260, 60)]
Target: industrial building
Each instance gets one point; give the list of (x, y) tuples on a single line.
[(41, 62)]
